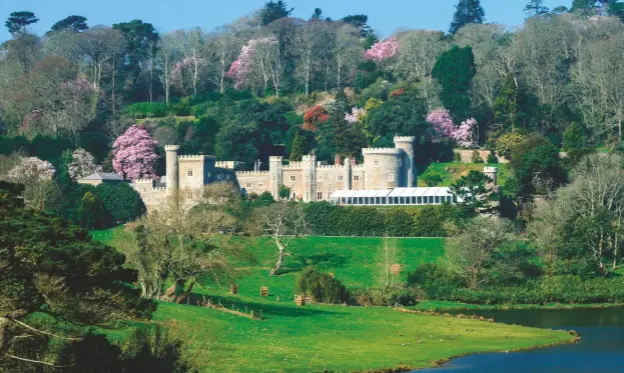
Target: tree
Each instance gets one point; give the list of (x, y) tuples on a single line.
[(573, 138), (82, 164), (471, 251), (474, 192), (91, 213), (383, 50), (274, 10), (100, 46), (18, 21), (54, 269), (168, 55), (36, 175), (535, 8), (185, 246), (466, 12), (73, 23), (444, 128), (298, 149), (537, 167), (282, 223), (135, 154), (583, 223), (121, 202), (317, 15), (455, 70)]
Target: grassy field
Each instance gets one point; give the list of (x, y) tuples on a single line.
[(313, 338), (450, 172)]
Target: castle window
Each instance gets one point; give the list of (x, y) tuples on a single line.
[(260, 185), (356, 178), (189, 172), (319, 196), (340, 178), (377, 163), (390, 177), (293, 178), (248, 185)]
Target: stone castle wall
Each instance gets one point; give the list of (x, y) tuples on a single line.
[(308, 180)]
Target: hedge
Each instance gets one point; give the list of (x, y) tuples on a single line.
[(326, 219)]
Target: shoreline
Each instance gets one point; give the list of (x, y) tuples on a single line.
[(443, 306)]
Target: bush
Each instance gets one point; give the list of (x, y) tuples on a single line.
[(146, 110), (492, 158), (121, 201), (476, 157), (388, 296), (457, 157), (321, 287)]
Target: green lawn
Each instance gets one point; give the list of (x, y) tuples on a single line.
[(452, 171), (317, 337)]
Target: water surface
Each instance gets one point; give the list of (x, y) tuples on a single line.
[(601, 349)]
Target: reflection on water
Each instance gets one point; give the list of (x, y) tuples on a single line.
[(600, 351)]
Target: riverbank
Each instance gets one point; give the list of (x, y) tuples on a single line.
[(443, 306), (317, 338)]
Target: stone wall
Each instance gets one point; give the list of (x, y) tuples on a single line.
[(466, 156)]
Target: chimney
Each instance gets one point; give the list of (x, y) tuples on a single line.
[(353, 162), (337, 160)]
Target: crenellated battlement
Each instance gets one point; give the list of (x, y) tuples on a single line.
[(386, 151), (172, 148), (252, 173), (144, 181), (331, 167), (410, 139), (194, 158), (159, 189)]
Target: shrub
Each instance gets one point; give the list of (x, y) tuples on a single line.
[(91, 212), (146, 110), (457, 157), (321, 287), (492, 158), (121, 201), (476, 157), (391, 295)]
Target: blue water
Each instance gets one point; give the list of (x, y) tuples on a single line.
[(601, 349)]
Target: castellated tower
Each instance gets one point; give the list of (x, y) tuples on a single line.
[(308, 163), (173, 172), (382, 167), (408, 160), (276, 175)]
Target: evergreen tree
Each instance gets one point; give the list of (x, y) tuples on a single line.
[(583, 6), (18, 21), (454, 70), (91, 211), (74, 23), (274, 10), (298, 149), (573, 137), (466, 12), (505, 104), (317, 15), (535, 8)]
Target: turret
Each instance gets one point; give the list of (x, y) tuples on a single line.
[(309, 177), (276, 174), (408, 160), (173, 173)]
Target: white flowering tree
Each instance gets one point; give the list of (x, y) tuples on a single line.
[(82, 164), (36, 176)]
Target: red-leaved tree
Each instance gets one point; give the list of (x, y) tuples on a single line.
[(135, 154)]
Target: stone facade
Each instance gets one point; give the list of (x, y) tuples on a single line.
[(308, 180)]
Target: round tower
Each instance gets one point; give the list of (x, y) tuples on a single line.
[(382, 167), (408, 160), (173, 174), (308, 163), (275, 170)]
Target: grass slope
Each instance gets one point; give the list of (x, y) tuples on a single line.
[(450, 172), (313, 338)]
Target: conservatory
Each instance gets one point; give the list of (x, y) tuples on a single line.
[(398, 196)]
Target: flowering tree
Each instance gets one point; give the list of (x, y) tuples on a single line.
[(82, 164), (313, 117), (135, 154), (249, 58), (382, 50), (355, 115), (31, 168), (444, 127)]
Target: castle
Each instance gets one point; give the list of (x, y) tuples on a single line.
[(308, 180)]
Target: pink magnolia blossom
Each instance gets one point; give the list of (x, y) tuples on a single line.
[(444, 128), (382, 50), (243, 66), (135, 154), (356, 114), (31, 169)]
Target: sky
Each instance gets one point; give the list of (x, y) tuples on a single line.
[(385, 16)]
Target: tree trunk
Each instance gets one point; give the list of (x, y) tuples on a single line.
[(4, 335), (113, 92), (280, 259)]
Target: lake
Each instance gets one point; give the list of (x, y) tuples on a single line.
[(601, 349)]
